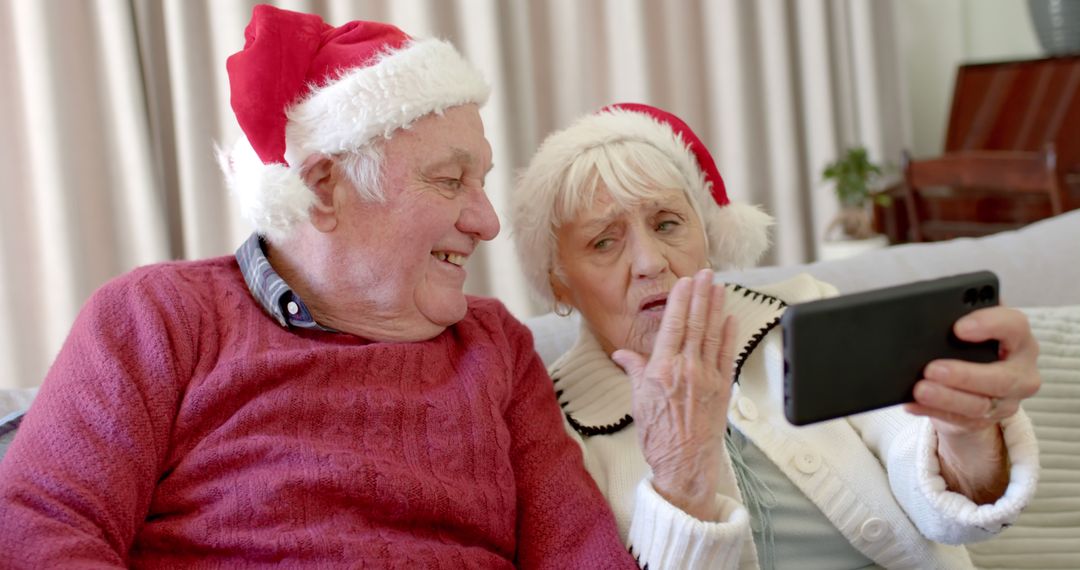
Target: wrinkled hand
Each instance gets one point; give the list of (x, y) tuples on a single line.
[(681, 394), (966, 401)]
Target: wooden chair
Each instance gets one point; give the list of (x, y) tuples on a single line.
[(1010, 174), (1004, 115)]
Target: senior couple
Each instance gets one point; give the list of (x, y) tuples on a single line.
[(329, 397)]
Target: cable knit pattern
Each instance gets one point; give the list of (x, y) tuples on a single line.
[(197, 432)]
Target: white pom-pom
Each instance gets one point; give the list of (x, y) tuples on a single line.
[(738, 235), (272, 197)]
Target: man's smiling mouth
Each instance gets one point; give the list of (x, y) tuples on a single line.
[(450, 257)]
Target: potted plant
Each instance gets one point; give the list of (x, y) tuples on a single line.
[(853, 178)]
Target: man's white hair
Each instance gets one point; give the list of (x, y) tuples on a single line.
[(364, 168), (273, 209)]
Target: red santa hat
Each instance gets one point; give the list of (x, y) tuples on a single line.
[(737, 234), (301, 87)]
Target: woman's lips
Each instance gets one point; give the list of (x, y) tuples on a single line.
[(654, 302)]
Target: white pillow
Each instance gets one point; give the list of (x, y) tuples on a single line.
[(553, 335), (1047, 534), (13, 403), (1038, 265)]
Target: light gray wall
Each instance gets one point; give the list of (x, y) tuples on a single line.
[(936, 36)]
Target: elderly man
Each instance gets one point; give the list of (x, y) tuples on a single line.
[(328, 397)]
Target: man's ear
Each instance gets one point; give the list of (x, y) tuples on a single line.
[(319, 174)]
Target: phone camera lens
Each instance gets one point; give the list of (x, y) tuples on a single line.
[(986, 294), (971, 296)]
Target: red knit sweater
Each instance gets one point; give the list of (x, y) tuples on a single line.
[(182, 427)]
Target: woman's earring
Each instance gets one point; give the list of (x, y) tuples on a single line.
[(562, 309)]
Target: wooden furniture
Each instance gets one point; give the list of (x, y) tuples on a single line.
[(1012, 155)]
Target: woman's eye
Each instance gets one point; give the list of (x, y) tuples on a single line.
[(666, 226), (603, 244)]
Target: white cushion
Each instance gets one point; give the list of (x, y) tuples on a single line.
[(1038, 265), (1047, 534), (15, 400), (12, 405)]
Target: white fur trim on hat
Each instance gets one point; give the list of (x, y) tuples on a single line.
[(423, 77), (737, 234), (272, 197)]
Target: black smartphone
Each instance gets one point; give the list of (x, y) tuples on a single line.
[(864, 351)]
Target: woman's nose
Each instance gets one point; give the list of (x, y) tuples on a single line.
[(478, 217), (648, 256)]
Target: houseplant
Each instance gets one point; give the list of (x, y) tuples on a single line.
[(853, 177)]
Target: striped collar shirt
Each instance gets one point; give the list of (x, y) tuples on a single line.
[(270, 290)]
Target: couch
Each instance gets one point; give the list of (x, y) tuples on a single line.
[(1039, 270)]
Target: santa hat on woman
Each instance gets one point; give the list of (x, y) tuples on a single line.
[(302, 87), (737, 234)]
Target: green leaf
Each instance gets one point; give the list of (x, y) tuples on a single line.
[(851, 176)]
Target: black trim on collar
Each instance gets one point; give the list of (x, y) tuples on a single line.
[(637, 558), (589, 431), (757, 337), (746, 350), (750, 346)]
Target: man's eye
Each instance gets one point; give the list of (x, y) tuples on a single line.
[(454, 184)]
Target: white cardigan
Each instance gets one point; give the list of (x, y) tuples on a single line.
[(875, 476)]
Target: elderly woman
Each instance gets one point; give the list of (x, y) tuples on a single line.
[(621, 217)]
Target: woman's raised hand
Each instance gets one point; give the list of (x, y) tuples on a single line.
[(681, 394)]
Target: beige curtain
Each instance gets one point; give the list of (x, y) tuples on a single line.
[(111, 109)]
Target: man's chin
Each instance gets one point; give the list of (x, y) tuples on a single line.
[(446, 311)]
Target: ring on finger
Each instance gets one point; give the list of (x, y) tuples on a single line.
[(994, 403)]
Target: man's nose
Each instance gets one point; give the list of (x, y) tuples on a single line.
[(478, 217)]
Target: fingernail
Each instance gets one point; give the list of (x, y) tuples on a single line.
[(924, 389), (967, 326), (937, 371)]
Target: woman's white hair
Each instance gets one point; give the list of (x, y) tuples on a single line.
[(629, 155), (628, 171)]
